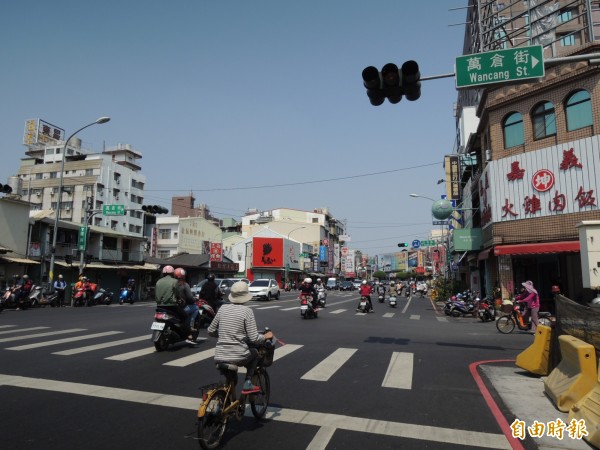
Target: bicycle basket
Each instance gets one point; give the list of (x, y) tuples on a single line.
[(506, 308), (266, 355)]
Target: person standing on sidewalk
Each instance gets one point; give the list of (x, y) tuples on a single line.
[(60, 285), (532, 299)]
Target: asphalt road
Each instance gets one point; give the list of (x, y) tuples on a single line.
[(397, 378)]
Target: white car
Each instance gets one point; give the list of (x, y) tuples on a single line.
[(264, 288)]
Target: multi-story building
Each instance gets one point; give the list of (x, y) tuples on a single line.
[(529, 157), (175, 235)]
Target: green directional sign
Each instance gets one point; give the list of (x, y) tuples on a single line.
[(81, 241), (499, 66), (113, 210), (428, 243)]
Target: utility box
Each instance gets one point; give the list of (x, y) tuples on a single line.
[(589, 240)]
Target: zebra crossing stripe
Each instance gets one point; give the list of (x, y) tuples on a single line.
[(269, 307), (131, 355), (38, 335), (338, 311), (442, 319), (191, 359), (63, 341), (330, 365), (388, 315), (7, 326), (280, 352), (399, 372), (291, 309), (20, 330), (90, 348), (415, 317)]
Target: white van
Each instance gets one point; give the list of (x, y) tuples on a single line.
[(331, 283)]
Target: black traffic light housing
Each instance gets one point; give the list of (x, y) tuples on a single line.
[(69, 259), (403, 244), (5, 189), (155, 209), (392, 83)]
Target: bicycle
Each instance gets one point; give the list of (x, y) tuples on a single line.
[(513, 317), (219, 401)]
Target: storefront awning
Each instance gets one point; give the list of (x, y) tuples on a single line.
[(484, 254), (18, 260), (538, 248), (145, 266)]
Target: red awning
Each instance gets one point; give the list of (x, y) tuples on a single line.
[(538, 248)]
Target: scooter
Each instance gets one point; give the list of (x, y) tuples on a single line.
[(322, 297), (381, 297), (170, 328), (126, 296), (364, 306), (485, 309), (206, 313), (462, 308), (39, 298), (392, 301), (103, 296), (306, 308)]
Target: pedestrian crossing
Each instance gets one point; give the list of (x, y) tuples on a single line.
[(398, 375)]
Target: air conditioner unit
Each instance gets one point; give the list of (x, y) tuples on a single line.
[(39, 194), (488, 155), (100, 193), (118, 181), (116, 196), (54, 191), (67, 208)]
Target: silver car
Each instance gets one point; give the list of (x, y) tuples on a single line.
[(264, 288)]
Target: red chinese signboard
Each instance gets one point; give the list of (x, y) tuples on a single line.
[(543, 180), (216, 251), (267, 252)]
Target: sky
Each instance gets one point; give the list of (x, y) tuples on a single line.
[(246, 104)]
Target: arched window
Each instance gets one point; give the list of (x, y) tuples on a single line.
[(579, 110), (544, 120), (513, 130)]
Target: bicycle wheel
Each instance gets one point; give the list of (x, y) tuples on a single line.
[(211, 426), (259, 402), (505, 324)]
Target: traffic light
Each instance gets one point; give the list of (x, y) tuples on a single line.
[(5, 189), (69, 259), (155, 209), (392, 83), (403, 244)]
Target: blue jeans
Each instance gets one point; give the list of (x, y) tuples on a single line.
[(192, 311)]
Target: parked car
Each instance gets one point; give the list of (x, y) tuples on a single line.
[(347, 286), (264, 288)]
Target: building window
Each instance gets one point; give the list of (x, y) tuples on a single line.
[(109, 243), (53, 174), (565, 16), (544, 120), (315, 220), (165, 234), (38, 176), (163, 254), (568, 41), (513, 130), (89, 172), (579, 110), (113, 224)]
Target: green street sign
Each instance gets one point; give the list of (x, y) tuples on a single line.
[(81, 241), (113, 210), (427, 243), (499, 66)]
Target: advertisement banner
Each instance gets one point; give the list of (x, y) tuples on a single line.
[(267, 252), (323, 253), (452, 168), (467, 239), (292, 254), (336, 255), (216, 252)]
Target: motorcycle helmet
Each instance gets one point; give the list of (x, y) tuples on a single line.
[(179, 273), (60, 277), (25, 277), (453, 298), (211, 277), (168, 270), (364, 282), (318, 280), (308, 280), (459, 296)]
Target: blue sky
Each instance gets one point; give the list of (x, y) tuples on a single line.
[(236, 94)]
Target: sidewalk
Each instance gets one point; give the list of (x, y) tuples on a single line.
[(523, 394)]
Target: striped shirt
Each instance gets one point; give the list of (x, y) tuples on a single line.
[(232, 324)]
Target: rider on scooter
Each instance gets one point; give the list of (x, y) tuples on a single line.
[(211, 293), (307, 289), (191, 309), (365, 291)]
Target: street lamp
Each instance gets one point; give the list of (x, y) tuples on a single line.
[(421, 196), (99, 121), (299, 228), (287, 275)]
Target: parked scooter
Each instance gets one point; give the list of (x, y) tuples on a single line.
[(485, 309), (206, 313), (321, 297), (103, 297), (169, 328), (126, 296), (307, 311), (38, 297), (462, 308)]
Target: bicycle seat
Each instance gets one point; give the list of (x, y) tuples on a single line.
[(227, 366)]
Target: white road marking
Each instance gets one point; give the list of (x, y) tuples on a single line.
[(399, 372), (415, 317), (442, 319), (20, 330), (291, 309), (321, 439), (330, 365), (280, 352), (63, 341), (269, 307), (7, 326), (38, 335), (133, 354), (406, 306), (389, 314), (89, 348), (332, 421), (338, 311), (191, 359)]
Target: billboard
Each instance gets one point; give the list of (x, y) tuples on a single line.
[(38, 131), (467, 239), (216, 251), (267, 252), (292, 254)]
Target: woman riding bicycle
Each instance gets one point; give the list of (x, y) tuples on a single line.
[(235, 327)]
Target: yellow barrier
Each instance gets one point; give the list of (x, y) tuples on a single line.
[(535, 358), (588, 410), (574, 376)]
